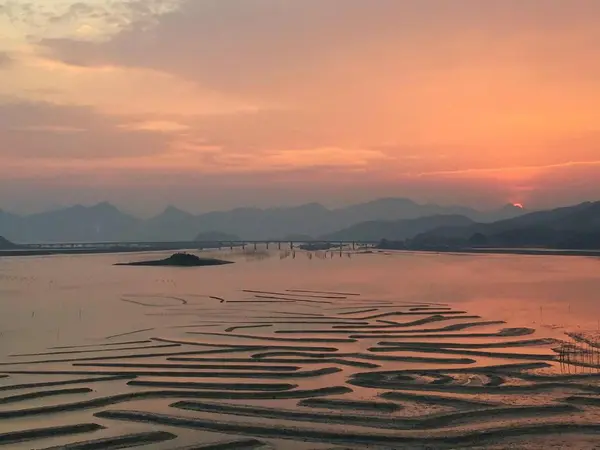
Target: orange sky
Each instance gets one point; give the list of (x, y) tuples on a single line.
[(220, 103)]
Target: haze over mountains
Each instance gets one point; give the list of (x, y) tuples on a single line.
[(104, 222), (572, 227)]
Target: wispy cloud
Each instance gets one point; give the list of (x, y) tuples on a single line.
[(71, 18), (156, 125), (60, 129), (402, 94), (509, 171), (35, 131)]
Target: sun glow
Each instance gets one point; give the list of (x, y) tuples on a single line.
[(518, 205)]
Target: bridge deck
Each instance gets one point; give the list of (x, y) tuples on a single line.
[(187, 244)]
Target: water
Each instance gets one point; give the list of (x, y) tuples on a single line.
[(52, 306), (75, 298)]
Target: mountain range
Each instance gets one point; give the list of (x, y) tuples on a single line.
[(572, 227), (106, 223), (395, 230)]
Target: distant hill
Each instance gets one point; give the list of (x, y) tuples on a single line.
[(10, 225), (104, 222), (403, 209), (376, 230), (173, 224), (216, 236), (575, 227), (6, 244)]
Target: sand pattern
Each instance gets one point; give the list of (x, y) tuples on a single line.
[(300, 369)]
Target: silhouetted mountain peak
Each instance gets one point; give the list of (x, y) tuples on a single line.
[(568, 227), (106, 222), (104, 207), (375, 230), (174, 212), (5, 244), (387, 202), (311, 206)]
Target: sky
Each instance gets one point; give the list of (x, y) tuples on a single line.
[(214, 104)]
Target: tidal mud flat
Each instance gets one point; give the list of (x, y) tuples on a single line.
[(303, 369)]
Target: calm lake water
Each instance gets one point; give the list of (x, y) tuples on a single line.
[(71, 299), (301, 351)]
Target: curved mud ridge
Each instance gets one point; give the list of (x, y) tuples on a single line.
[(307, 291), (454, 351), (272, 338), (162, 394), (16, 387), (43, 394), (270, 368), (74, 352), (307, 359), (15, 437), (352, 405), (434, 421), (188, 374), (109, 344), (380, 333), (334, 368), (130, 440), (477, 437), (240, 444), (454, 402)]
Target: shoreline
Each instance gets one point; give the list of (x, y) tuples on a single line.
[(115, 250), (89, 251), (504, 251)]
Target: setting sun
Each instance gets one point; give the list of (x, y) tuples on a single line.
[(518, 205)]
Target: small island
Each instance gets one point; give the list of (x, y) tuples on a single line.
[(180, 260)]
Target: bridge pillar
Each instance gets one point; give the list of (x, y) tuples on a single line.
[(279, 245), (267, 245), (291, 245), (231, 245), (255, 246)]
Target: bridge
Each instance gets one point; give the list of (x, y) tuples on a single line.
[(184, 245)]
